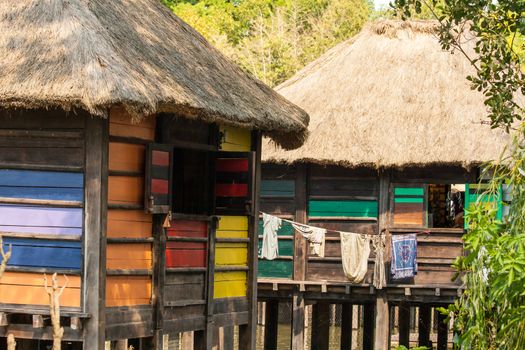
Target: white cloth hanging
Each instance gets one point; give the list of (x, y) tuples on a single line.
[(270, 246), (379, 243), (355, 250), (314, 235)]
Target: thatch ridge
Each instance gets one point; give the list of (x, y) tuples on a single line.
[(95, 54), (391, 97)]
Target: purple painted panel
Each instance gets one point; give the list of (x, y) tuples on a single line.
[(34, 219)]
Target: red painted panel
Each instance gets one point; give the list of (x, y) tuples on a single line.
[(231, 190), (187, 228), (160, 158), (186, 245), (185, 258), (159, 186), (232, 165)]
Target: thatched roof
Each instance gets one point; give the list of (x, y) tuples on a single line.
[(390, 97), (93, 54)]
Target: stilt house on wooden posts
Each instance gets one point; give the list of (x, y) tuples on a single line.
[(396, 141), (129, 157)]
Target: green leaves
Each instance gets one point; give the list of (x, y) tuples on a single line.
[(272, 39)]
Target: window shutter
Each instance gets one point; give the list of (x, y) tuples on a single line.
[(409, 206), (233, 183), (158, 184)]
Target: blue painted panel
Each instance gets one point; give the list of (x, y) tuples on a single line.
[(33, 219), (40, 178), (45, 253), (50, 185)]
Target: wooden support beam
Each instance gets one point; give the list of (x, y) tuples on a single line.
[(320, 326), (346, 326), (227, 337), (424, 325), (404, 324), (200, 340), (159, 275), (248, 332), (442, 326), (95, 223), (300, 244), (298, 316), (270, 326), (368, 326)]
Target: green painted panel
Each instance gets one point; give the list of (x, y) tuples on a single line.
[(282, 188), (409, 191), (343, 208), (275, 268), (408, 200), (285, 230)]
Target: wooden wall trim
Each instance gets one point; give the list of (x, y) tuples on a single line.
[(301, 216), (94, 270)]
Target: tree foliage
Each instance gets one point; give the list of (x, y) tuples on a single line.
[(491, 312), (273, 39)]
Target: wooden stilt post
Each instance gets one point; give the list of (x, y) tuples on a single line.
[(424, 325), (187, 341), (298, 316), (368, 326), (200, 340), (382, 322), (121, 345), (346, 326), (270, 327), (442, 341), (404, 324), (320, 326), (227, 334)]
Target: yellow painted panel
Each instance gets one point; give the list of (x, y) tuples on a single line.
[(230, 284), (231, 254), (232, 234), (230, 223), (28, 289), (235, 139), (128, 290)]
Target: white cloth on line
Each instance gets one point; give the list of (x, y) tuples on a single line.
[(314, 235), (379, 243), (355, 250), (270, 246)]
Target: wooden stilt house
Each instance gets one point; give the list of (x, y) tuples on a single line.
[(129, 162), (396, 141)]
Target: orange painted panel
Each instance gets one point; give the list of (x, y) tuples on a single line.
[(129, 256), (129, 224), (28, 289), (125, 190), (128, 290), (126, 157), (121, 124)]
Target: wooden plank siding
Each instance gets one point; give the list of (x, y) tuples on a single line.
[(129, 260), (42, 160)]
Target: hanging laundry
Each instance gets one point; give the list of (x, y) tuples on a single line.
[(270, 245), (355, 250), (314, 235), (404, 256), (379, 243)]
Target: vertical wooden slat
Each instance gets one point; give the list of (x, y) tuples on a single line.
[(346, 326), (270, 325), (368, 326), (207, 342), (442, 338), (424, 325), (300, 256), (159, 268), (321, 326), (248, 332), (404, 324), (96, 193)]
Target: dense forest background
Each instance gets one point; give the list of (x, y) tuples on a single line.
[(273, 39)]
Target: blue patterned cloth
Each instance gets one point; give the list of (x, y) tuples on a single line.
[(404, 256)]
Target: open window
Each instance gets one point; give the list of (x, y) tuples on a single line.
[(233, 183)]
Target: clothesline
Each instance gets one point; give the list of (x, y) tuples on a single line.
[(355, 247)]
